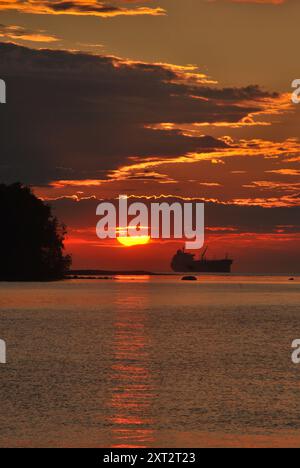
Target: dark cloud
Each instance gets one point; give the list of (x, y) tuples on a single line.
[(235, 94), (76, 116), (82, 8)]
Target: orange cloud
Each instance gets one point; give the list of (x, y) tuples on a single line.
[(289, 172), (267, 185), (77, 183), (254, 147), (270, 202), (14, 32), (270, 108), (78, 8)]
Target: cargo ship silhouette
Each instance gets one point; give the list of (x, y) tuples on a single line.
[(185, 262)]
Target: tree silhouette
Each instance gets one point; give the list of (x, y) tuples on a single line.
[(31, 238)]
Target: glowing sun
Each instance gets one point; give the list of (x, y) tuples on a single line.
[(134, 240)]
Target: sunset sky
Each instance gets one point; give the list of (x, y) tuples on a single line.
[(184, 99)]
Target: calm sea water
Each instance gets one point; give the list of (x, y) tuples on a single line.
[(150, 362)]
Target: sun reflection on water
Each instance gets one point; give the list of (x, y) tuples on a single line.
[(133, 384)]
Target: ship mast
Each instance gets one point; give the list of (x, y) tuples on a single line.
[(203, 253)]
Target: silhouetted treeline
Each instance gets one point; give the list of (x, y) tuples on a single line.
[(31, 238)]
